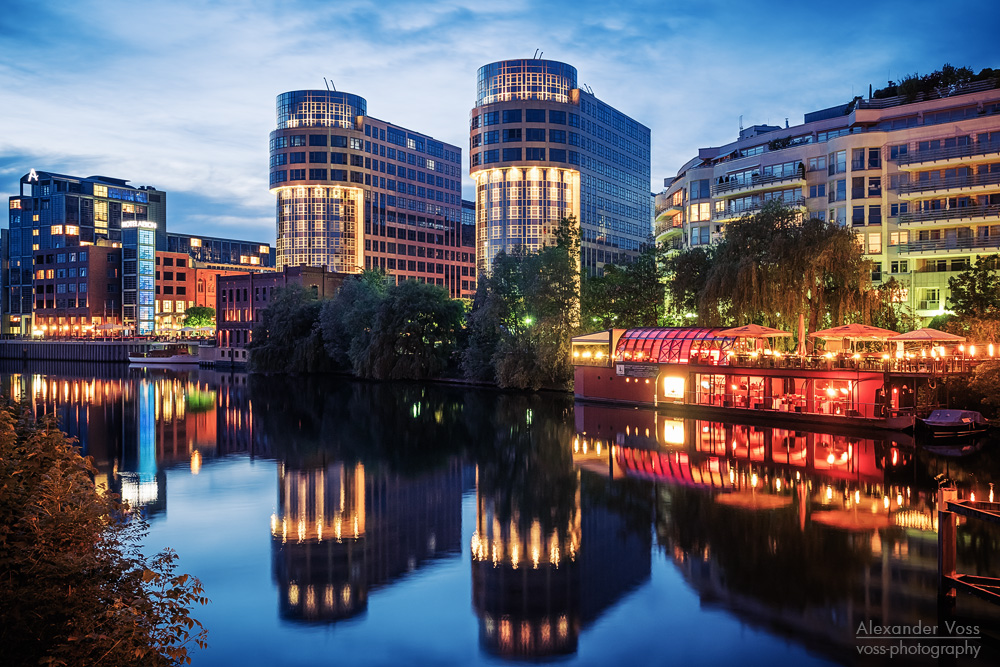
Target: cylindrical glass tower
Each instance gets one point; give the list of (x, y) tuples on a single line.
[(526, 176), (319, 209)]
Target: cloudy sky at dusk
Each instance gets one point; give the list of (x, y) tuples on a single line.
[(180, 95)]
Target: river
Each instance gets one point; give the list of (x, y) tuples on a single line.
[(341, 522)]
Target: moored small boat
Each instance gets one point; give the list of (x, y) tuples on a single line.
[(166, 354), (941, 424)]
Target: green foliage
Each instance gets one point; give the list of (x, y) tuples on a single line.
[(414, 333), (199, 316), (406, 331), (986, 382), (769, 268), (524, 315), (75, 587), (910, 86), (288, 338), (625, 296), (976, 292), (941, 321), (975, 329), (347, 321)]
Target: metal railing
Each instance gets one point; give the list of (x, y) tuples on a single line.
[(739, 212), (950, 153), (757, 182), (988, 211), (951, 182), (950, 244)]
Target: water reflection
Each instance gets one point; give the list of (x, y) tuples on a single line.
[(569, 509)]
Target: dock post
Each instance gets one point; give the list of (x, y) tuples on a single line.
[(947, 536)]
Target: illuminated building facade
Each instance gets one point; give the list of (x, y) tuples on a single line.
[(56, 211), (354, 192), (917, 181), (56, 217), (542, 149)]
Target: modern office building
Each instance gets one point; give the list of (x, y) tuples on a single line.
[(542, 149), (918, 180), (56, 217), (354, 192)]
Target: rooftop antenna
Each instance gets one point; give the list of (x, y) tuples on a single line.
[(741, 122), (536, 55), (334, 85), (325, 83), (540, 54)]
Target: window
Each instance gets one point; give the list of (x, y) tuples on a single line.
[(534, 134), (511, 154), (875, 187), (296, 174), (356, 144), (512, 116), (558, 117), (557, 155), (317, 174), (317, 140), (535, 154), (857, 159), (700, 189), (699, 212), (838, 190), (491, 156), (875, 243), (817, 164), (837, 163), (297, 158), (297, 140), (858, 216), (557, 136), (491, 118), (491, 137), (874, 158), (896, 209), (900, 266), (513, 134), (534, 115), (875, 215), (817, 190), (318, 156)]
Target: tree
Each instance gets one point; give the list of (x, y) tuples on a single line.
[(199, 316), (976, 292), (75, 587), (770, 268), (626, 296), (347, 321), (414, 332), (288, 338), (525, 313)]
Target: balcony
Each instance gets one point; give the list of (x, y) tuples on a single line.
[(736, 213), (759, 184), (967, 213), (949, 246), (978, 152), (971, 184), (929, 305)]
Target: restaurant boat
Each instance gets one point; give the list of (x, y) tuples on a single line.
[(945, 424), (711, 372), (166, 354)]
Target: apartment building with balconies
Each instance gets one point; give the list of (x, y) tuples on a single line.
[(917, 180)]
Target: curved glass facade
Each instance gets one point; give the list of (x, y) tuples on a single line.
[(527, 79), (522, 207), (320, 226), (319, 108)]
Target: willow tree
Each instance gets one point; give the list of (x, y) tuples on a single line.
[(771, 267)]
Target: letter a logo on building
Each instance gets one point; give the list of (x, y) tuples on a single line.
[(32, 176)]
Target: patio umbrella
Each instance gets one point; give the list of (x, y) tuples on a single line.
[(754, 331), (855, 332), (205, 329), (108, 326), (187, 329), (927, 335)]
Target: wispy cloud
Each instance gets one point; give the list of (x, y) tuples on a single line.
[(180, 95)]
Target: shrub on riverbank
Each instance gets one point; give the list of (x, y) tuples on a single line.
[(75, 587)]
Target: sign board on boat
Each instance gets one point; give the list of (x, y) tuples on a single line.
[(637, 370)]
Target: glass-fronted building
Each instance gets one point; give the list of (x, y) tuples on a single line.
[(542, 149), (86, 287), (354, 192)]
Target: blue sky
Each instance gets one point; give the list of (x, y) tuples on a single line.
[(180, 95)]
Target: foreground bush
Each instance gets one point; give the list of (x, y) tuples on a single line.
[(75, 589)]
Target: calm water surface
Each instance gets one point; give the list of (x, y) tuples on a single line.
[(339, 522)]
